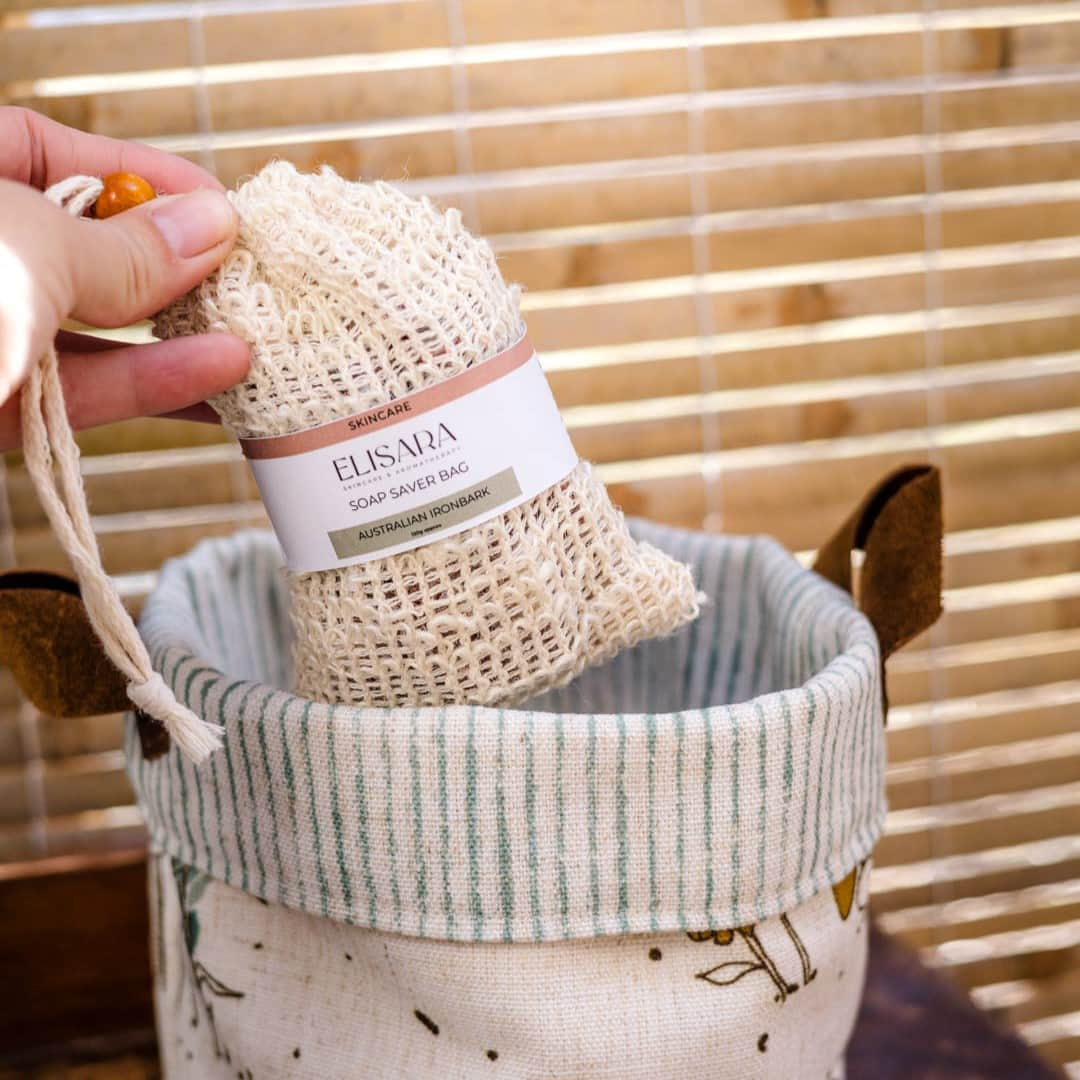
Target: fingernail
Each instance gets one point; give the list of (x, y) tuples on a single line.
[(194, 223)]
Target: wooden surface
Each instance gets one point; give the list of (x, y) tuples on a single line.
[(74, 950), (913, 1025), (79, 1002)]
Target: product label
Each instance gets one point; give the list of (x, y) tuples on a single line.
[(416, 469)]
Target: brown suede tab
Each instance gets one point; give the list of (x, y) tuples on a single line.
[(899, 527), (47, 641)]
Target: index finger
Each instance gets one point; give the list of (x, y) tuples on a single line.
[(38, 151)]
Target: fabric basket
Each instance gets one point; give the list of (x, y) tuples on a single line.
[(659, 870)]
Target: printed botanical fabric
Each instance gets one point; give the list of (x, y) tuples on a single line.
[(254, 990)]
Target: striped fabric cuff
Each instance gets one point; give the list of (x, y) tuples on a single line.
[(710, 779)]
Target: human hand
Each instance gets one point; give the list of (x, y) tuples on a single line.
[(109, 274)]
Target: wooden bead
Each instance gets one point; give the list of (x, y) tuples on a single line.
[(123, 190)]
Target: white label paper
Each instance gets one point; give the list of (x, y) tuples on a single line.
[(416, 469)]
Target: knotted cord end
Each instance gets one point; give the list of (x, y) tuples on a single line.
[(196, 738)]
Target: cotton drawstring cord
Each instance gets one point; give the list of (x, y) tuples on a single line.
[(52, 459)]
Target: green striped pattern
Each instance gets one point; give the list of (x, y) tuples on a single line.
[(710, 779)]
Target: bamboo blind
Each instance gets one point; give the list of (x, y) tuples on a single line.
[(770, 251)]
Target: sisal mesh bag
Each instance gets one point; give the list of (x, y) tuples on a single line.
[(352, 295)]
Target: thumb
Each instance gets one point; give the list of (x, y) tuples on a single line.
[(132, 265)]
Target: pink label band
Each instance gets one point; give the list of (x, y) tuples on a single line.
[(390, 412)]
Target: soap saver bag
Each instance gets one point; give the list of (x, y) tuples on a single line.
[(353, 296), (655, 871)]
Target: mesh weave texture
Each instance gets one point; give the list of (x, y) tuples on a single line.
[(352, 295)]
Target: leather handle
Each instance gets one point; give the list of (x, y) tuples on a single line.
[(47, 641), (899, 527)]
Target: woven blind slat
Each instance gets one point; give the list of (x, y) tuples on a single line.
[(248, 95)]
